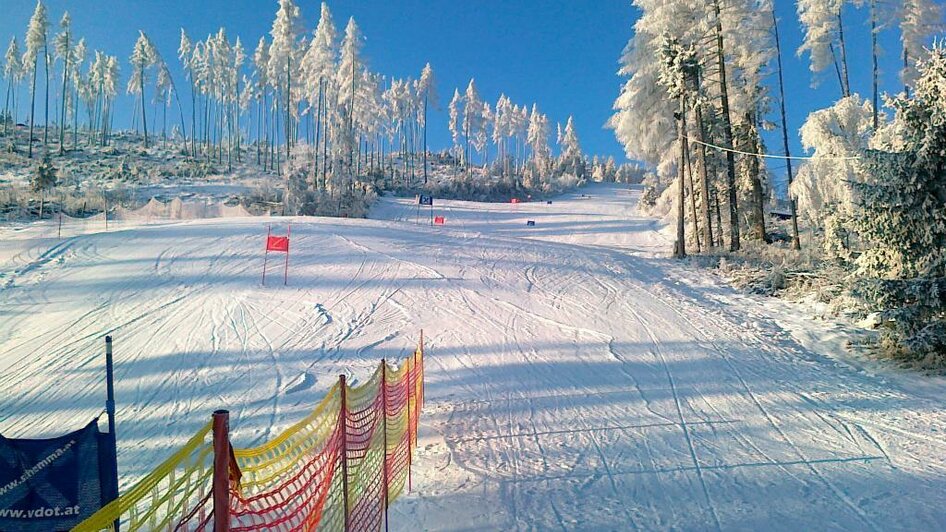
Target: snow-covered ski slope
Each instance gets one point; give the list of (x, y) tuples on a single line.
[(575, 379)]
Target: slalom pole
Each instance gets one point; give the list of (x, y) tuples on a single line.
[(269, 230), (110, 410), (285, 279)]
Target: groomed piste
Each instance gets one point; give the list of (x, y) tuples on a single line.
[(574, 377)]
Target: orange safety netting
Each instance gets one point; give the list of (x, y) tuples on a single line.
[(360, 438)]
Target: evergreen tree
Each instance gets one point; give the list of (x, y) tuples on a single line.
[(143, 57), (12, 71), (427, 89), (43, 179), (35, 39), (902, 270), (63, 49), (281, 69)]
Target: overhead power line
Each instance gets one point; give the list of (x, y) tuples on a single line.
[(768, 156)]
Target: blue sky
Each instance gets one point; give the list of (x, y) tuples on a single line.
[(561, 54)]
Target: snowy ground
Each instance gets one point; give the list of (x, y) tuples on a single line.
[(575, 379)]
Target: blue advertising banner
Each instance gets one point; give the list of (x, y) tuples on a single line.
[(54, 484)]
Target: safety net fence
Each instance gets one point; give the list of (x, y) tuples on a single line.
[(339, 468)]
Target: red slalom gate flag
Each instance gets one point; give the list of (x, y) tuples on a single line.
[(279, 244), (438, 220), (514, 200)]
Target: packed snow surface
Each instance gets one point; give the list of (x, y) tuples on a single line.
[(575, 379)]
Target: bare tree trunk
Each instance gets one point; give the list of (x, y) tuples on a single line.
[(754, 177), (704, 179), (62, 120), (680, 248), (32, 108), (689, 173), (734, 244), (144, 114), (874, 68), (846, 84), (46, 115), (796, 241)]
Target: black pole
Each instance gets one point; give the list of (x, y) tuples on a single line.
[(110, 410)]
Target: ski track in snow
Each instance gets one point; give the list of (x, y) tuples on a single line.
[(576, 380)]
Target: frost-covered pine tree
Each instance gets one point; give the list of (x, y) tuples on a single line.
[(12, 71), (919, 20), (318, 69), (454, 124), (36, 39), (260, 72), (281, 70), (43, 179), (346, 79), (110, 80), (824, 38), (902, 221), (185, 52), (63, 49), (473, 120), (427, 89), (143, 57), (78, 54), (538, 138), (571, 160)]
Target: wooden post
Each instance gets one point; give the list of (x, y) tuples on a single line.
[(221, 471), (384, 428), (343, 420), (110, 411)]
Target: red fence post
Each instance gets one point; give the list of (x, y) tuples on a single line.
[(343, 419), (221, 476), (384, 427)]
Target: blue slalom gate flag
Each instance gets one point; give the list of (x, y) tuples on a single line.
[(425, 200), (530, 223), (56, 483)]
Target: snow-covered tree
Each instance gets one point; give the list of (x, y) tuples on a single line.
[(12, 72), (571, 160), (836, 136), (345, 81), (919, 20), (538, 138), (36, 39), (454, 125), (281, 70), (260, 72), (143, 57), (474, 123), (902, 221), (318, 69), (824, 38), (63, 48), (427, 89)]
